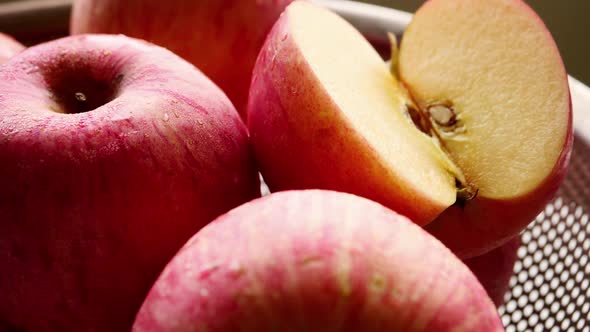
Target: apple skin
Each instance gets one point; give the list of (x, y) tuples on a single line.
[(315, 261), (222, 38), (302, 142), (495, 268), (485, 224), (94, 204), (8, 47)]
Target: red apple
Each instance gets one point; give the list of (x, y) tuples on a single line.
[(222, 38), (8, 47), (113, 152), (469, 134), (495, 268), (315, 261)]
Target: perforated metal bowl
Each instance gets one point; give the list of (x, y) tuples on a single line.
[(550, 288)]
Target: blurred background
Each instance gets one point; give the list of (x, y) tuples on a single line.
[(566, 19)]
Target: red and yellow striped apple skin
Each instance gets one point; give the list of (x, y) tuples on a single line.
[(316, 261)]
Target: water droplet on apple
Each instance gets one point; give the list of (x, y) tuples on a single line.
[(166, 117), (209, 269), (236, 269), (32, 69), (234, 266)]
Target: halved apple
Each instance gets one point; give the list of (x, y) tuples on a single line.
[(470, 135)]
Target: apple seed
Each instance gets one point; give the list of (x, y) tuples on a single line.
[(415, 116), (443, 115)]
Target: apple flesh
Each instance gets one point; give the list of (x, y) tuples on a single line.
[(315, 261), (469, 135), (8, 47), (113, 152), (322, 117), (495, 268), (501, 74), (222, 38)]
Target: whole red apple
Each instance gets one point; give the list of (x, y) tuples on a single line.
[(316, 261), (495, 268), (113, 152), (222, 38), (8, 47)]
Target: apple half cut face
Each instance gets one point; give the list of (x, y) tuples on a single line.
[(493, 88), (468, 134)]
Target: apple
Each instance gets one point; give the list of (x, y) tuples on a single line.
[(8, 47), (315, 261), (469, 135), (495, 268), (222, 38), (113, 153)]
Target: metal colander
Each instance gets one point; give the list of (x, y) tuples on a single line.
[(550, 287)]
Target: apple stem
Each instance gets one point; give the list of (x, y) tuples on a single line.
[(394, 54), (80, 96), (465, 194)]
